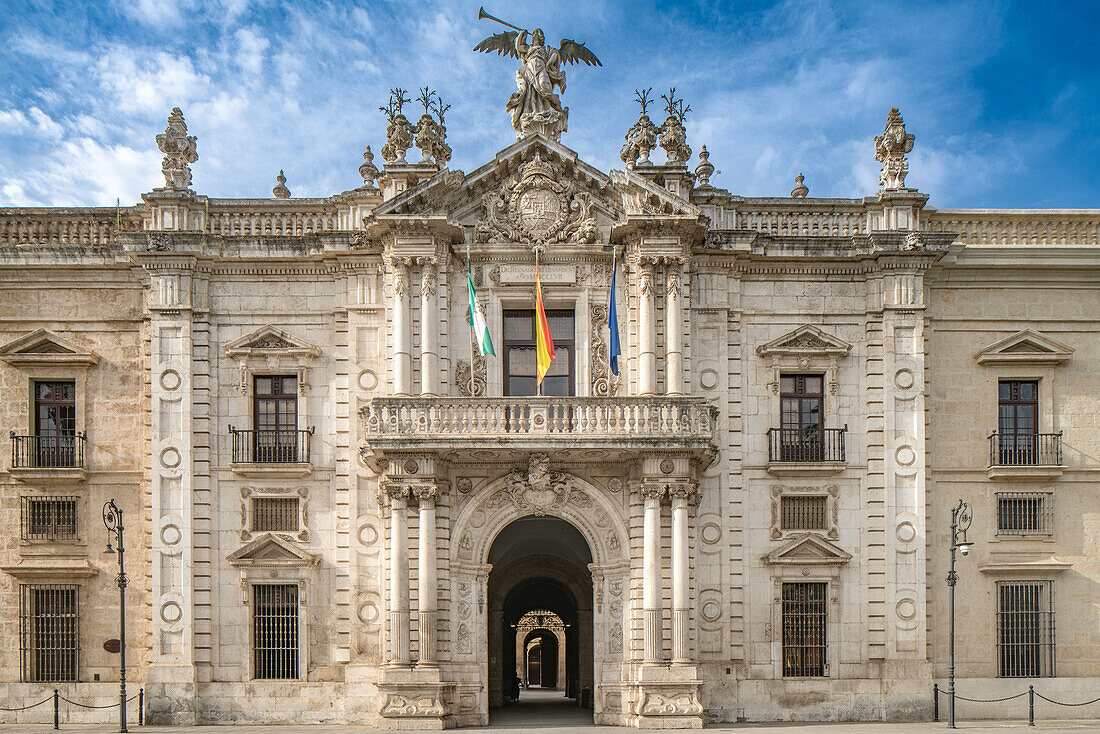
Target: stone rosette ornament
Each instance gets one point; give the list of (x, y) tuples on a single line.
[(179, 150)]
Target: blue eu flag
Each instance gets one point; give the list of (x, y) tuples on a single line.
[(613, 324)]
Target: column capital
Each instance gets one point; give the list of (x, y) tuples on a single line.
[(652, 490), (426, 494), (682, 491), (394, 493)]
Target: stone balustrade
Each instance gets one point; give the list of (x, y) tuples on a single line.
[(803, 223), (1019, 227), (64, 226), (398, 423), (273, 218)]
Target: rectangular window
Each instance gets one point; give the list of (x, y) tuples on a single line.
[(1025, 513), (520, 375), (275, 631), (801, 427), (275, 514), (802, 512), (48, 518), (1018, 422), (804, 642), (55, 423), (49, 632), (276, 419), (1025, 629)]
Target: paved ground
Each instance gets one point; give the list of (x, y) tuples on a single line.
[(553, 714)]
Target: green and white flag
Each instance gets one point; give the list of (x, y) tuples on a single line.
[(477, 318)]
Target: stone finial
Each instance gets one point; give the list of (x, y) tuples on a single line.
[(399, 133), (368, 170), (280, 190), (799, 191), (179, 151), (890, 150), (673, 135), (431, 132), (642, 137), (705, 169)]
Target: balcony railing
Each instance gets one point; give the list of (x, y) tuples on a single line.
[(65, 451), (806, 445), (270, 446), (1025, 449), (564, 422)]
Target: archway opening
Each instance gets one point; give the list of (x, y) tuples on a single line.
[(540, 622)]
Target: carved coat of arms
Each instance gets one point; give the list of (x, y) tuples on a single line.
[(539, 490), (535, 205)]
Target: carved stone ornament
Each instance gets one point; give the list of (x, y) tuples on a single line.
[(399, 132), (669, 704), (280, 191), (405, 704), (800, 190), (368, 170), (605, 383), (642, 137), (536, 205), (539, 490), (179, 151), (705, 169), (890, 150), (471, 388), (673, 134)]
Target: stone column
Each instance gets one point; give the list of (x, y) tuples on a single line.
[(651, 573), (427, 593), (674, 337), (647, 354), (399, 575), (402, 336), (429, 329), (680, 494)]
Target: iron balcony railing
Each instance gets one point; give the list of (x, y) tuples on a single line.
[(61, 451), (271, 446), (806, 445), (1025, 449)]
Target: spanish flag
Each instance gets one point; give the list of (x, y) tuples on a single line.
[(544, 343)]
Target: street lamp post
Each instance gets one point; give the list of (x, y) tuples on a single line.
[(112, 520), (960, 523)]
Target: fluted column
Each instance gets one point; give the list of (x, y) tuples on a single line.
[(429, 329), (651, 573), (674, 337), (402, 335), (680, 495), (426, 590), (647, 350), (399, 575)]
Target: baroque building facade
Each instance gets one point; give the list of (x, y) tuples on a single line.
[(340, 512)]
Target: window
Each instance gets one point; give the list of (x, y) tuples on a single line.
[(275, 514), (1018, 421), (801, 428), (1025, 513), (275, 631), (55, 424), (276, 419), (47, 518), (802, 512), (520, 375), (804, 641), (1025, 629), (49, 632)]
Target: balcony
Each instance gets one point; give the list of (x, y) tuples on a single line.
[(48, 459), (579, 428), (806, 450), (1025, 455), (271, 453)]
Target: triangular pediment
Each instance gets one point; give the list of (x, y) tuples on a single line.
[(809, 549), (268, 340), (644, 198), (45, 347), (805, 340), (271, 550), (1025, 347)]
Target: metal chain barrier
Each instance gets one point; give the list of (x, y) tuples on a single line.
[(24, 708), (986, 700), (1031, 694), (1062, 703), (57, 698)]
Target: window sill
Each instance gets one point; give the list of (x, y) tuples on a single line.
[(49, 475), (273, 469), (800, 468), (1047, 471)]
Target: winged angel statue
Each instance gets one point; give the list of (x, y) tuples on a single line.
[(535, 107)]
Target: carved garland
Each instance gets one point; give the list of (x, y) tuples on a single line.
[(604, 382)]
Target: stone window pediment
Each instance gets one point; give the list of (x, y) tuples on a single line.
[(269, 349), (1025, 347), (808, 550), (271, 551), (805, 348), (44, 348)]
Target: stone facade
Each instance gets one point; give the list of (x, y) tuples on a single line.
[(654, 501)]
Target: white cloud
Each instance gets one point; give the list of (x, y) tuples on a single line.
[(251, 46), (13, 121), (143, 81)]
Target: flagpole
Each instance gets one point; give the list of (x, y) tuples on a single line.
[(611, 315), (538, 382), (473, 339)]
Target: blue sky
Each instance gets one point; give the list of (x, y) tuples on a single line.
[(1003, 96)]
